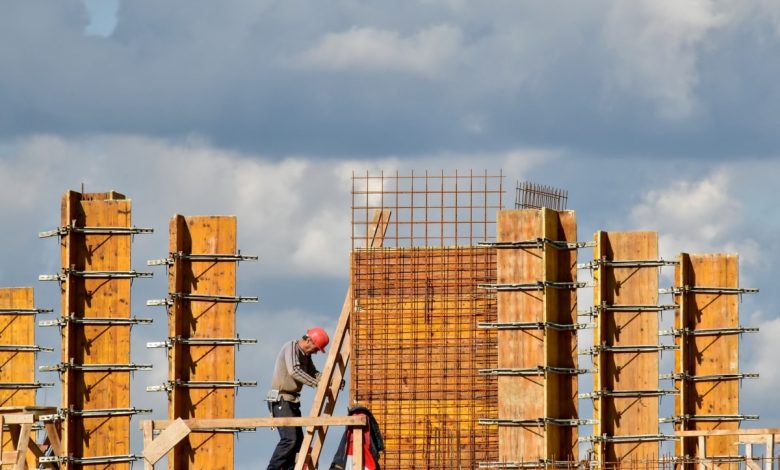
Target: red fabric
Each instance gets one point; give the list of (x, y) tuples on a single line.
[(368, 459)]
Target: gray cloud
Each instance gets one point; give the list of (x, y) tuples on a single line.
[(664, 78)]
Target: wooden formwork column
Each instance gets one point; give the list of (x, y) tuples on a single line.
[(202, 335), (17, 352), (626, 348), (527, 340), (707, 363), (95, 329)]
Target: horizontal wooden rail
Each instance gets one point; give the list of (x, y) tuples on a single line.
[(194, 424)]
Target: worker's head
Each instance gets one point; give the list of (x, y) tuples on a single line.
[(316, 339)]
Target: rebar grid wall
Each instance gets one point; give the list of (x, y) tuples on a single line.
[(532, 337), (626, 379), (102, 388), (707, 363), (416, 348), (190, 364)]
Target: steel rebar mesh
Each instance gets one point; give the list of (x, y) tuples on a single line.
[(427, 209), (535, 196)]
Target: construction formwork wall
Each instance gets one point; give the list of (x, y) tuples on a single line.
[(202, 336), (537, 341), (95, 326), (417, 350), (707, 327), (626, 347)]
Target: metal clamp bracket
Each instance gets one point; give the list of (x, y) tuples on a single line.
[(25, 385), (67, 229), (707, 331), (93, 275), (648, 263), (200, 342), (170, 385), (532, 371), (24, 348), (707, 290), (90, 460), (199, 298), (680, 419), (535, 422), (629, 438), (199, 257), (629, 349), (24, 311), (539, 285), (64, 366), (533, 326), (94, 321), (627, 393), (707, 378)]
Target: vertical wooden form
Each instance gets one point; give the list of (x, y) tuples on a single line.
[(707, 355), (190, 319), (95, 344), (533, 397), (16, 367), (627, 371)]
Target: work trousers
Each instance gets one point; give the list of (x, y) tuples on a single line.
[(290, 437)]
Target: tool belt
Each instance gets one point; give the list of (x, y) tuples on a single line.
[(275, 396)]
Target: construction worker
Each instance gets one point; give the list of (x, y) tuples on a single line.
[(294, 369)]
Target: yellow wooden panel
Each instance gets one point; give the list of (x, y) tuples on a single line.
[(203, 319), (106, 298), (626, 371)]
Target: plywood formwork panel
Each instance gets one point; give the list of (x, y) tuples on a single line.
[(707, 355), (208, 235), (552, 395), (16, 367), (417, 351), (107, 344), (626, 371)]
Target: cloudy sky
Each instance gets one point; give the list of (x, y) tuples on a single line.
[(654, 114)]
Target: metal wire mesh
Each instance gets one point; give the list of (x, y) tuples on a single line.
[(428, 209)]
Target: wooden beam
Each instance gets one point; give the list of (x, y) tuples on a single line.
[(21, 446), (357, 448), (195, 424), (53, 436), (171, 436), (148, 434)]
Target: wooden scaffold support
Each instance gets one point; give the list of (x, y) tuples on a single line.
[(95, 281), (202, 336), (537, 338), (707, 331)]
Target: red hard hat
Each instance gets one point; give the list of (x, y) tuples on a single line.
[(318, 337)]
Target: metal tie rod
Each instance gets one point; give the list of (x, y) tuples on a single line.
[(538, 243), (63, 366), (541, 285), (629, 349), (199, 298), (707, 331), (629, 438), (24, 311), (200, 342), (541, 463), (719, 417), (533, 326), (25, 385), (535, 422), (644, 263), (707, 378), (69, 459), (224, 430), (66, 229), (94, 321), (627, 393), (532, 371), (170, 385), (707, 290), (199, 257), (632, 308), (24, 348), (94, 275), (94, 413)]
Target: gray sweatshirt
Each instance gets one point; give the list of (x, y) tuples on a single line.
[(293, 370)]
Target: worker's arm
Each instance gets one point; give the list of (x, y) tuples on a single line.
[(297, 370)]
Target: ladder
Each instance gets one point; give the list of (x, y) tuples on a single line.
[(336, 365)]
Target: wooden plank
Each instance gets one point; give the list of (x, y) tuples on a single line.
[(53, 436), (626, 371), (17, 367), (203, 235), (171, 436), (22, 444), (357, 448), (148, 434), (195, 424)]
